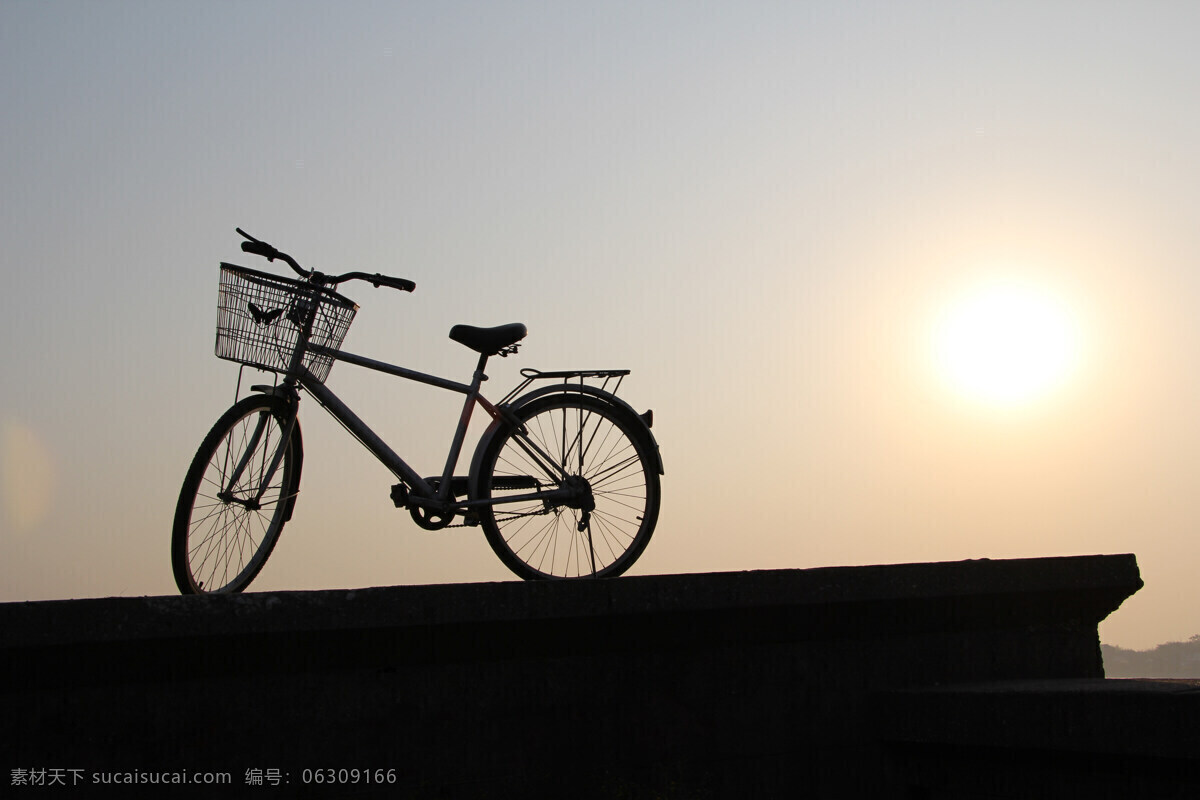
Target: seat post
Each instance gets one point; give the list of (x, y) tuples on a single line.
[(479, 377), (445, 491)]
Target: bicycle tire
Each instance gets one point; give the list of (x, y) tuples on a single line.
[(219, 545), (588, 438)]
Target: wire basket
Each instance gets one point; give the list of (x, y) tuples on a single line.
[(258, 314)]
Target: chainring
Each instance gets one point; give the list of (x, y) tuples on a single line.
[(429, 519)]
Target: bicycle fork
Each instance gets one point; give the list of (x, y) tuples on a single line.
[(255, 503)]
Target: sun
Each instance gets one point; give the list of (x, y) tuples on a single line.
[(1006, 344)]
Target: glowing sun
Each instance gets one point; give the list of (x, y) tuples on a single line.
[(1006, 344)]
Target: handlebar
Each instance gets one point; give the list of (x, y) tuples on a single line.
[(261, 248), (377, 280)]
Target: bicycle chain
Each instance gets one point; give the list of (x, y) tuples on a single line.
[(500, 519)]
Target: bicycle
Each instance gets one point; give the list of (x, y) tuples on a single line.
[(564, 481)]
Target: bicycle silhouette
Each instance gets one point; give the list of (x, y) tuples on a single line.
[(564, 481)]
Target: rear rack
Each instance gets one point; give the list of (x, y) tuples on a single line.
[(605, 376)]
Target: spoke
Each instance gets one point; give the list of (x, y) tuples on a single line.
[(610, 472), (607, 536), (634, 508)]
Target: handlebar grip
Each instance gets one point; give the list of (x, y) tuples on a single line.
[(402, 284), (260, 249)]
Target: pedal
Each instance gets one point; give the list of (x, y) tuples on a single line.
[(400, 495)]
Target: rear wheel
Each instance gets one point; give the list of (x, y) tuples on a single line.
[(226, 523), (596, 451)]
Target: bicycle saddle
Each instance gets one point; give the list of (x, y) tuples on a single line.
[(489, 341)]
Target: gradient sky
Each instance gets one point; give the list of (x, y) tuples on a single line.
[(762, 209)]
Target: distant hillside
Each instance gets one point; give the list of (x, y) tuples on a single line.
[(1172, 660)]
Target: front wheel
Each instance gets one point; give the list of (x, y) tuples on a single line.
[(234, 500), (596, 450)]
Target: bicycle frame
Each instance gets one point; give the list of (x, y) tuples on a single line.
[(443, 496)]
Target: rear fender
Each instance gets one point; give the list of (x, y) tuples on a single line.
[(641, 428)]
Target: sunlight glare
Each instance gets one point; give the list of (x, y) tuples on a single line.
[(26, 477), (1006, 344)]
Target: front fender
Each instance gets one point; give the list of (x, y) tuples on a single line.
[(298, 457)]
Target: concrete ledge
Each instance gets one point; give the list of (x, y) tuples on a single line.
[(1099, 582), (686, 685)]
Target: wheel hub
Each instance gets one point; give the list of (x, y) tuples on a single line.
[(581, 493), (228, 499)]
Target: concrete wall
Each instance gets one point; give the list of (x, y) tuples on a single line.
[(1093, 739), (754, 684)]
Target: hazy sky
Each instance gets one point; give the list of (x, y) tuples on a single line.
[(766, 210)]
